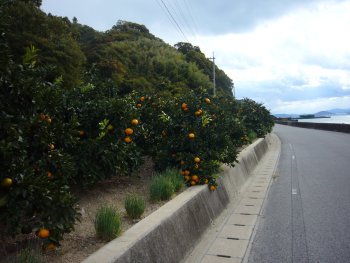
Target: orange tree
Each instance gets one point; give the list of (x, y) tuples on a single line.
[(34, 193), (52, 139), (255, 117), (108, 126), (192, 132)]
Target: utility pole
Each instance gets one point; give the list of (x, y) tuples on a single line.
[(214, 85)]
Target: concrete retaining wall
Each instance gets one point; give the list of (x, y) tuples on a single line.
[(320, 126), (169, 233)]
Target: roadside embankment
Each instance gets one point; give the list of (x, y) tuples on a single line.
[(319, 126), (171, 232)]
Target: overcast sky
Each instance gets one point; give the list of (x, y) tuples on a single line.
[(291, 55)]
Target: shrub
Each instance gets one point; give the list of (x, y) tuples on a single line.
[(190, 126), (161, 188), (134, 206), (107, 223), (34, 164), (255, 117)]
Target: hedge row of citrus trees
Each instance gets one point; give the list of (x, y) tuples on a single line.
[(53, 139)]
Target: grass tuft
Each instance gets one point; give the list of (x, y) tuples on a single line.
[(165, 184), (134, 206), (161, 188), (107, 223)]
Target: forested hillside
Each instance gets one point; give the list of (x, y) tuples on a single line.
[(127, 57)]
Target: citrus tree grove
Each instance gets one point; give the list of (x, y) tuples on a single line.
[(80, 106)]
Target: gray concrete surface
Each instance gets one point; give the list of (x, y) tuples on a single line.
[(306, 216), (171, 232), (229, 236)]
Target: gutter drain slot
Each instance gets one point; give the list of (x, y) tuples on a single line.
[(223, 256)]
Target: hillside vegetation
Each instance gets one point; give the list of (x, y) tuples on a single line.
[(79, 106)]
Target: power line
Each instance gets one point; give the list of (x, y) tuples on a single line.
[(189, 9), (167, 14), (174, 20), (183, 16)]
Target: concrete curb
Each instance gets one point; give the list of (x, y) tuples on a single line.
[(169, 233)]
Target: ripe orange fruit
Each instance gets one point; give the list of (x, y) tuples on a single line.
[(49, 174), (48, 119), (51, 246), (129, 131), (81, 133), (195, 178), (198, 113), (191, 135), (184, 105), (212, 188), (139, 105), (6, 182), (127, 139), (193, 182), (186, 109), (206, 100), (43, 233), (135, 122), (52, 146), (187, 172), (197, 160), (142, 98)]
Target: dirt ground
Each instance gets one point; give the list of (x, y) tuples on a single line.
[(82, 242)]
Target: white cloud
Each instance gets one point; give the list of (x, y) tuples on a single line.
[(306, 50), (310, 106)]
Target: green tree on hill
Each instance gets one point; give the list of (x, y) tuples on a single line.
[(193, 54), (27, 25)]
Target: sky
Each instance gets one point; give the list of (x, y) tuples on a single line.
[(291, 55)]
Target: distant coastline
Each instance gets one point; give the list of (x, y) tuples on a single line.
[(329, 116), (338, 119)]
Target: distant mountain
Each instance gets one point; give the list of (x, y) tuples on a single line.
[(339, 111), (318, 114), (324, 114)]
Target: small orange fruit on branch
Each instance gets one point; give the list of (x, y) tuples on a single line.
[(6, 182), (191, 136), (128, 131), (135, 122), (127, 139), (43, 233)]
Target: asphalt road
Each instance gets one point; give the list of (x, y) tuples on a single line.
[(306, 216)]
